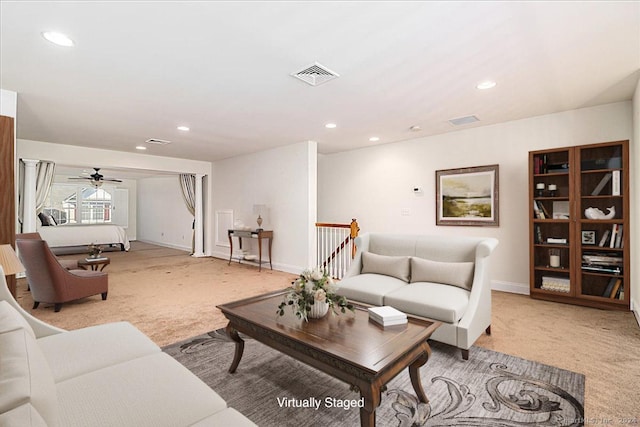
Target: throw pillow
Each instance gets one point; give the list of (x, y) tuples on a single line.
[(52, 220), (458, 274), (44, 220), (394, 266)]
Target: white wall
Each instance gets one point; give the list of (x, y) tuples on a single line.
[(9, 108), (163, 217), (634, 191), (375, 184), (284, 179)]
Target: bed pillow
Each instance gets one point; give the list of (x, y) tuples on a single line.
[(43, 219), (458, 274), (52, 220), (394, 266)]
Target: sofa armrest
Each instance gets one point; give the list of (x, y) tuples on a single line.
[(362, 245), (478, 314)]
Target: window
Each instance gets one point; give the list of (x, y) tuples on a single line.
[(74, 204)]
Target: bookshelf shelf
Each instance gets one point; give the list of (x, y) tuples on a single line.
[(586, 261)]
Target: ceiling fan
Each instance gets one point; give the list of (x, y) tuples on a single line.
[(97, 179)]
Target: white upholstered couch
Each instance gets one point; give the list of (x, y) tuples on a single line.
[(106, 375), (444, 278)]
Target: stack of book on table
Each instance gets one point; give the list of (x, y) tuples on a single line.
[(387, 316)]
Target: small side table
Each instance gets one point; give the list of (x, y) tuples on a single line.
[(94, 263), (251, 234)]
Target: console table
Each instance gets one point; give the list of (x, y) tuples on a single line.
[(251, 234)]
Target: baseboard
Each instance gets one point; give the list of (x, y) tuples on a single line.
[(635, 309), (276, 266), (514, 288), (167, 245)]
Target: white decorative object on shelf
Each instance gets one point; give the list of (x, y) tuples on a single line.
[(595, 213)]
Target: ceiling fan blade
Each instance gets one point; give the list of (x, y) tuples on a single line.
[(111, 180)]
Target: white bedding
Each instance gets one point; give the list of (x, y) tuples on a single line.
[(84, 235)]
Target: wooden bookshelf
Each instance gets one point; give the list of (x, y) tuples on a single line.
[(572, 256)]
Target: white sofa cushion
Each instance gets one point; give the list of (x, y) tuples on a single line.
[(24, 415), (25, 378), (84, 350), (368, 288), (449, 273), (394, 266), (151, 390), (432, 300), (10, 320)]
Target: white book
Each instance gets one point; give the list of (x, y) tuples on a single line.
[(386, 314), (388, 323), (614, 232), (615, 183)]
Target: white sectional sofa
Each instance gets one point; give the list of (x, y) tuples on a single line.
[(444, 278), (106, 375)]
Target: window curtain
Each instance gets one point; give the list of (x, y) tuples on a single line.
[(44, 178), (188, 187)]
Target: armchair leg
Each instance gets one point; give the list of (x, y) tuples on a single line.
[(57, 307), (465, 354), (104, 296), (35, 305), (488, 330)]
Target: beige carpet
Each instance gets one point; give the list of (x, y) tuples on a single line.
[(171, 296)]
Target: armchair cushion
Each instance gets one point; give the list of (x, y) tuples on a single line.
[(394, 266), (10, 320), (451, 273), (432, 300)]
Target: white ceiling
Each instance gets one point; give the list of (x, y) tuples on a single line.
[(139, 69)]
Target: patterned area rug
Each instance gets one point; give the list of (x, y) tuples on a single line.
[(490, 389)]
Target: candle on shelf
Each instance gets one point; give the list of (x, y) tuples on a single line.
[(554, 258), (540, 189), (552, 189)]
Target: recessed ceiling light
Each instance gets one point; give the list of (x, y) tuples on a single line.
[(58, 38), (374, 139), (331, 125), (140, 147), (183, 128), (486, 85)]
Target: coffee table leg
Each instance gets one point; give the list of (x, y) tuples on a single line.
[(414, 373), (233, 334), (371, 394)]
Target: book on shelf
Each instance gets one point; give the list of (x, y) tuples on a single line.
[(615, 183), (601, 259), (619, 237), (621, 293), (387, 316), (596, 191), (616, 288), (615, 236), (609, 287), (538, 236), (605, 269), (556, 240), (605, 238), (536, 211), (544, 210), (557, 284)]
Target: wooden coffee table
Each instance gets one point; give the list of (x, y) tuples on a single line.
[(350, 348), (94, 263)]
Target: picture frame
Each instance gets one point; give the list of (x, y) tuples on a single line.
[(588, 237), (468, 196)]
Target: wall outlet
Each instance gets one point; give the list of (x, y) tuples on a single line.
[(405, 212)]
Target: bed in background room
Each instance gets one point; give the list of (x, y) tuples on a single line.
[(61, 238)]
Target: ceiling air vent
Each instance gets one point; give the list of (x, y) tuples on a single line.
[(464, 120), (157, 141), (315, 74)]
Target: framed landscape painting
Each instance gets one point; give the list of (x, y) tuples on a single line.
[(467, 196)]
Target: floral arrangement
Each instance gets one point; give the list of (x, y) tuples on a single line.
[(312, 287), (94, 250)]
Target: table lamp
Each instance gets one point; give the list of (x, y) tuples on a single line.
[(10, 263)]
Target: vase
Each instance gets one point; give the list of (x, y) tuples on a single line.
[(318, 309)]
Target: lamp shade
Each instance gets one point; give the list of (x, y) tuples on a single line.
[(9, 261)]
